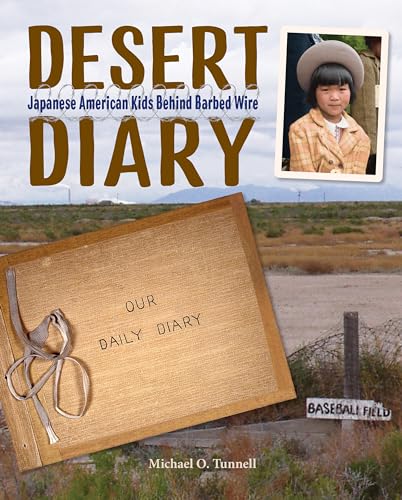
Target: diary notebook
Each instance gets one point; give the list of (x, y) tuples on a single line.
[(137, 330)]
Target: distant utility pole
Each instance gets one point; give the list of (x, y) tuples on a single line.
[(323, 197), (298, 196)]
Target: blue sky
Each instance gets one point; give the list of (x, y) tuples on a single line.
[(257, 157)]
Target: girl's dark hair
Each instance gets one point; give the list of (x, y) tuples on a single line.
[(330, 74)]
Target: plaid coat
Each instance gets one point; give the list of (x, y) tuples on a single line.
[(314, 149)]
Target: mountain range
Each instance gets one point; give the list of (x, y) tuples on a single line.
[(363, 192)]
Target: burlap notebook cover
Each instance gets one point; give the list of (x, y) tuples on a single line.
[(154, 325)]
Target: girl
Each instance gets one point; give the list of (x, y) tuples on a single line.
[(327, 139)]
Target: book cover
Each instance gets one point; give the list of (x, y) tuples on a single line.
[(115, 113)]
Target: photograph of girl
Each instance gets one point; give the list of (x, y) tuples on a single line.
[(327, 139)]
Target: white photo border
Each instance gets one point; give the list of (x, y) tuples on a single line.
[(378, 176)]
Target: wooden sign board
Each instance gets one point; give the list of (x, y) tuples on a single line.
[(170, 318), (346, 409)]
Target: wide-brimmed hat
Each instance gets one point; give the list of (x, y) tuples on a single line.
[(330, 51)]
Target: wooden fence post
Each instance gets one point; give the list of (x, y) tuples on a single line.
[(351, 386)]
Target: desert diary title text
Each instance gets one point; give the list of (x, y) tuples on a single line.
[(199, 98)]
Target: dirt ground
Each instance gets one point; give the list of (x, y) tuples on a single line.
[(306, 306)]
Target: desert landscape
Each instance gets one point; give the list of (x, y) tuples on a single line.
[(308, 306), (319, 260)]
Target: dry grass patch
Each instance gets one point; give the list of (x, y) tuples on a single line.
[(375, 248), (288, 236)]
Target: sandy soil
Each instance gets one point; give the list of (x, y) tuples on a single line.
[(307, 306)]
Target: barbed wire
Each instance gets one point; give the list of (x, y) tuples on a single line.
[(228, 93), (386, 338), (318, 367)]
